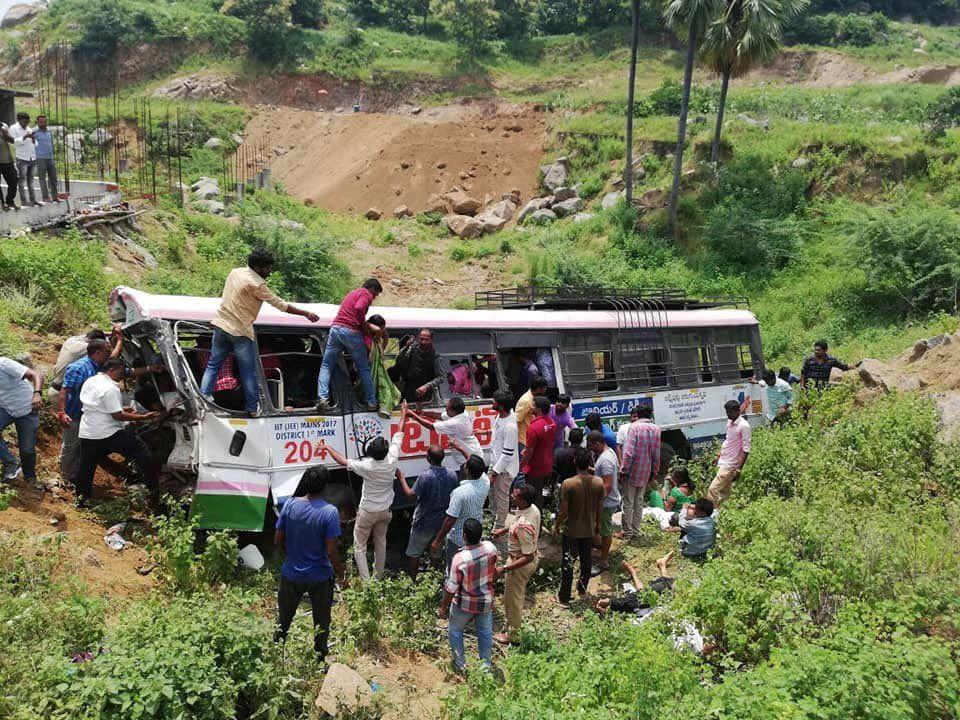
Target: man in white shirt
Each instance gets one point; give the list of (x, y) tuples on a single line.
[(19, 405), (455, 423), (26, 149), (103, 430), (624, 429), (506, 463), (378, 468)]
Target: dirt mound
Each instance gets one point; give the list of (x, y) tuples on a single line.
[(351, 162), (824, 68), (931, 366)]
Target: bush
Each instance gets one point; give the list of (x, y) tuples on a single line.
[(392, 611), (105, 25), (911, 257), (179, 567), (943, 114), (741, 241), (202, 658), (557, 17), (267, 21), (851, 28), (470, 23), (863, 30)]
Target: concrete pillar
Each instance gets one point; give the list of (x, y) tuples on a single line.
[(267, 178)]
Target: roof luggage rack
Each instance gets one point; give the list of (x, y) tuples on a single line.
[(591, 297)]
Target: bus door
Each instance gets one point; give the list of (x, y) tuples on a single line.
[(521, 353)]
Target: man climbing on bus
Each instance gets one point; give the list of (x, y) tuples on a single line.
[(347, 334), (244, 292), (418, 369)]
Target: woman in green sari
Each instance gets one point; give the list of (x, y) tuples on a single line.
[(388, 395)]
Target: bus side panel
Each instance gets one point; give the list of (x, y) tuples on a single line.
[(697, 412), (232, 490)]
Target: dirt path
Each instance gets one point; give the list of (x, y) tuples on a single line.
[(351, 162)]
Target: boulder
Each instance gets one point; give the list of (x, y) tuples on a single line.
[(19, 14), (74, 143), (801, 163), (237, 138), (343, 690), (513, 196), (373, 214), (463, 204), (504, 209), (564, 193), (532, 206), (555, 174), (583, 216), (435, 204), (611, 199), (542, 217), (207, 87), (464, 226), (214, 207), (213, 143), (653, 198), (491, 223), (875, 374), (402, 211), (206, 188), (100, 136), (567, 207), (292, 225), (921, 346), (753, 122)]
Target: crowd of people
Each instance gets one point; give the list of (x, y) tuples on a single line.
[(537, 453), (26, 154)]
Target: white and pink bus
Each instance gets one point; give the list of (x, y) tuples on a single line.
[(607, 350)]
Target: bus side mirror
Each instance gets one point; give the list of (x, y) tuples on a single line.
[(237, 443)]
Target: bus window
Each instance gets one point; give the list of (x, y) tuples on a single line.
[(588, 363), (643, 360), (291, 365), (468, 360), (227, 392), (691, 356), (734, 359)]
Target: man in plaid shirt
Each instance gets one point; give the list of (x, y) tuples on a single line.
[(468, 594), (641, 462)]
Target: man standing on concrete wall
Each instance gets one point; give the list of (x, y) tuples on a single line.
[(8, 168), (26, 156), (46, 167)]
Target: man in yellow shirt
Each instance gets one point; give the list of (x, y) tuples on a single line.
[(524, 410), (244, 293)]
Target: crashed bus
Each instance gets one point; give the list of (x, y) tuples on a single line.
[(610, 350)]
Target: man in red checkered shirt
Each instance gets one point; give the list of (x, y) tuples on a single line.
[(641, 463), (227, 386), (468, 594)]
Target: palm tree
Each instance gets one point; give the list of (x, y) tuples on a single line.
[(688, 19), (745, 34), (634, 41)]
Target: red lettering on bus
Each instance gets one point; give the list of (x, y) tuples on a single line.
[(291, 448)]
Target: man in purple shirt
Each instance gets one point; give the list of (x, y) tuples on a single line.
[(560, 414), (347, 334)]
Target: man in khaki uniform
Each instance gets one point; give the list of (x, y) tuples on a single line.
[(524, 556)]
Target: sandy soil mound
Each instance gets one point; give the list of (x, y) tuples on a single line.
[(931, 366), (351, 162), (821, 68)]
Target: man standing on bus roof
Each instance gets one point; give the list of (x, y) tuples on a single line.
[(244, 292), (733, 454), (347, 334), (641, 463), (817, 367)]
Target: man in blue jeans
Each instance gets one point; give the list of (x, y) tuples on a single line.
[(348, 334), (468, 594), (244, 293), (308, 529), (20, 398)]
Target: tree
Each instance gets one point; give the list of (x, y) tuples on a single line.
[(745, 34), (105, 25), (268, 27), (470, 23), (307, 13), (557, 17), (689, 20)]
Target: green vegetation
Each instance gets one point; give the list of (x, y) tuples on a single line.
[(824, 593)]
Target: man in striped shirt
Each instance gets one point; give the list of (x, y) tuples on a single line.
[(468, 594), (641, 462)]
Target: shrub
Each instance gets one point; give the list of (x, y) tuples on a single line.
[(268, 36), (105, 25), (393, 611), (943, 114), (179, 567), (863, 30), (556, 17), (911, 257), (741, 241), (470, 23)]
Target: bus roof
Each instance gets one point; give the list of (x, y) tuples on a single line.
[(141, 305)]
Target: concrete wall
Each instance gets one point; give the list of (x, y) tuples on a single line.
[(82, 193)]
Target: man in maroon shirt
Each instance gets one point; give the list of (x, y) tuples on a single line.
[(536, 463), (347, 334)]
